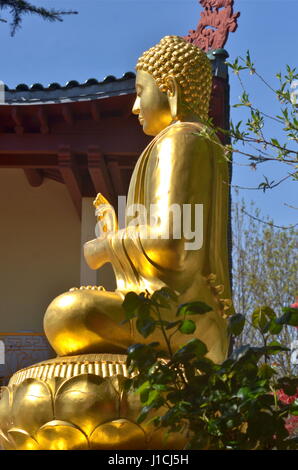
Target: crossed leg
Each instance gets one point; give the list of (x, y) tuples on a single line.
[(87, 321)]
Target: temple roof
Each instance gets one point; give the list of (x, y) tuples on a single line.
[(84, 134), (91, 89)]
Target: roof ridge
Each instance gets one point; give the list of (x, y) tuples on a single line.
[(70, 84)]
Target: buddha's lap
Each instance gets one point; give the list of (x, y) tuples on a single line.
[(86, 321)]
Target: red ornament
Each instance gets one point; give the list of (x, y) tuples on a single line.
[(217, 21)]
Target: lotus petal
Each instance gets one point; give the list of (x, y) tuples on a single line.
[(5, 402), (5, 442), (119, 434), (118, 382), (87, 401), (60, 435), (54, 383), (22, 440), (32, 405), (130, 406)]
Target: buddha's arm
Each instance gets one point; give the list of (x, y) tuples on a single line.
[(96, 253), (181, 179)]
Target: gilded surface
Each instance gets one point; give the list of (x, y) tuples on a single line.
[(179, 167), (57, 407)]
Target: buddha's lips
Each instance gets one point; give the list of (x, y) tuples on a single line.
[(141, 120)]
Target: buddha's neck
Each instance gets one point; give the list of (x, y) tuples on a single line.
[(187, 117)]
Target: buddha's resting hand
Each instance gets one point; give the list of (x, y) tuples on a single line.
[(96, 252)]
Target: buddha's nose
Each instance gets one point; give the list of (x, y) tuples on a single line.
[(136, 106)]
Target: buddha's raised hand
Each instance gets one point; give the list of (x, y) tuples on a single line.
[(106, 217)]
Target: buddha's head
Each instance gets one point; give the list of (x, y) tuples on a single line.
[(173, 82)]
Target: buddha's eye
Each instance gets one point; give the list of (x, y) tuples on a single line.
[(139, 90)]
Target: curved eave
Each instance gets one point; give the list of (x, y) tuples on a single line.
[(68, 95), (92, 89)]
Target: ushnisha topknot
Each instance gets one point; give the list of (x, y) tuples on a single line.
[(188, 64)]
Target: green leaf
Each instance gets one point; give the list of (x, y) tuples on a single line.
[(245, 354), (172, 324), (275, 347), (261, 318), (144, 394), (261, 425), (127, 385), (153, 395), (155, 344), (135, 349), (274, 327), (188, 327), (290, 317), (131, 304), (214, 427), (194, 347), (144, 413), (193, 308), (168, 293), (160, 387), (142, 354), (294, 410), (145, 326), (155, 421), (236, 324), (275, 142), (244, 393), (160, 300), (163, 297), (145, 385), (266, 372), (205, 365)]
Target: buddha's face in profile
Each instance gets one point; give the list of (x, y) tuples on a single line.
[(173, 83), (151, 105)]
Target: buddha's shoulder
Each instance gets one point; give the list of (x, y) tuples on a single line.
[(192, 133)]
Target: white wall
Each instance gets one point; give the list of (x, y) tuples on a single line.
[(40, 246), (104, 276)]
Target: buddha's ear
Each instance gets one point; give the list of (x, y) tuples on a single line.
[(173, 92)]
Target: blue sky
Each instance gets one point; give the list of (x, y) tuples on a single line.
[(107, 37)]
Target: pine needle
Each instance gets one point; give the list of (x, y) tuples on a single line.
[(18, 8)]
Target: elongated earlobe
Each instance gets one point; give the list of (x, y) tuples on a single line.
[(173, 96)]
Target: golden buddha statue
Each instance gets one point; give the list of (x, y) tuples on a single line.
[(179, 167), (180, 172)]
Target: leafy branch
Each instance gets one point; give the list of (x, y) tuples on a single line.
[(268, 222), (248, 138), (233, 405)]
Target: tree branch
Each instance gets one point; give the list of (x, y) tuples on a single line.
[(258, 188), (268, 223), (18, 8)]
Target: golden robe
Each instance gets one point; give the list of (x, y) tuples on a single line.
[(179, 167)]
